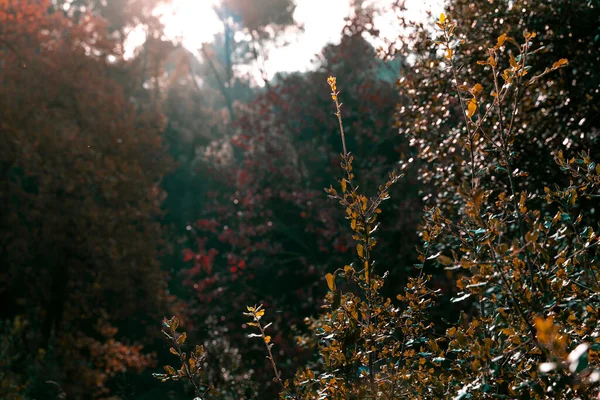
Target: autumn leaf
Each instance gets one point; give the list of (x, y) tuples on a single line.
[(181, 338), (472, 107), (360, 250), (330, 281), (560, 63), (477, 89), (501, 40), (444, 260), (170, 370)]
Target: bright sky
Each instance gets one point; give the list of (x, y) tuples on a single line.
[(195, 22)]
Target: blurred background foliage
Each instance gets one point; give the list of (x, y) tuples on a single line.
[(169, 182)]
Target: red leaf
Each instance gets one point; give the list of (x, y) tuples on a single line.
[(188, 255)]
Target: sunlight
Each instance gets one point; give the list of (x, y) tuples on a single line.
[(192, 21)]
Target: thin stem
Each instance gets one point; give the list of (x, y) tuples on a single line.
[(188, 373), (271, 358), (470, 134)]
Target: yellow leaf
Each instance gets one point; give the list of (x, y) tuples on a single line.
[(173, 351), (359, 250), (330, 281), (449, 54), (343, 183), (348, 270), (472, 108), (267, 339), (513, 61), (501, 40), (259, 313), (560, 63), (181, 338), (442, 18), (444, 260), (170, 370), (477, 89)]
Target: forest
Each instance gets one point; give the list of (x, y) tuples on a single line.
[(412, 217)]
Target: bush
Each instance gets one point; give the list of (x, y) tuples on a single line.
[(521, 257)]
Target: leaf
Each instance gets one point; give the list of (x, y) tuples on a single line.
[(449, 53), (360, 250), (461, 298), (343, 183), (513, 61), (188, 255), (472, 108), (442, 18), (170, 370), (578, 358), (173, 351), (477, 89), (547, 367), (337, 300), (501, 40), (181, 338), (560, 63), (444, 260), (267, 339), (330, 281)]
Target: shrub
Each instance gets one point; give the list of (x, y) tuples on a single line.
[(523, 261)]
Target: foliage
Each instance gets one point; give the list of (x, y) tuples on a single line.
[(190, 365), (523, 263), (266, 234), (80, 236), (497, 110), (370, 347)]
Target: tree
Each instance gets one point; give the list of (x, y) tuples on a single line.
[(82, 171)]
